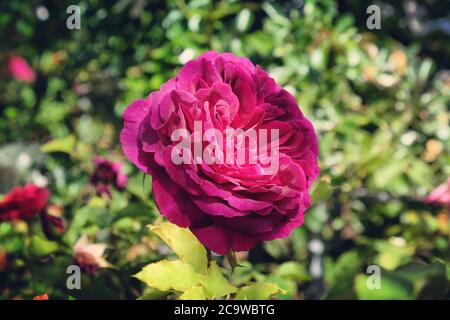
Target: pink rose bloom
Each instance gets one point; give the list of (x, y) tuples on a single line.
[(108, 174), (440, 195), (20, 69), (228, 206)]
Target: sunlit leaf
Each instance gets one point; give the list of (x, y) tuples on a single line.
[(258, 291), (184, 244), (194, 293), (169, 275), (215, 282), (65, 145), (41, 247)]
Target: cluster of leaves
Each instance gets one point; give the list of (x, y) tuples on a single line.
[(380, 108), (193, 275)]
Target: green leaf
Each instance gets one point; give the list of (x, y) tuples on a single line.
[(446, 265), (135, 211), (258, 291), (322, 190), (392, 287), (42, 247), (425, 70), (289, 287), (215, 282), (293, 270), (65, 145), (170, 275), (430, 280), (342, 275), (388, 172), (153, 294), (275, 14), (391, 256), (139, 186), (184, 244), (194, 293)]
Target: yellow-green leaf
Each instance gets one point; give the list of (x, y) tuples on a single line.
[(194, 293), (258, 291), (215, 282), (184, 244), (65, 145), (40, 246), (169, 275)]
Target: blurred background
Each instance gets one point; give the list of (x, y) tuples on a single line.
[(378, 99)]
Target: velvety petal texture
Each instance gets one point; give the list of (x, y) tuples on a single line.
[(228, 206)]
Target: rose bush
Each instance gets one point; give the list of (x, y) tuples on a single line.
[(228, 207)]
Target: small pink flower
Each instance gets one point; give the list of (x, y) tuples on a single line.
[(440, 195), (89, 256), (108, 174), (21, 70)]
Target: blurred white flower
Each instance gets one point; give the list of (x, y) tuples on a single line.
[(89, 256)]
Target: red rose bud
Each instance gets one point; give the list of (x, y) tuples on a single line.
[(108, 174), (203, 139), (23, 202)]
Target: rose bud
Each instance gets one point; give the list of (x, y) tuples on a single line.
[(52, 222)]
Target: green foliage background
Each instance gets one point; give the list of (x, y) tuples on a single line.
[(378, 100)]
